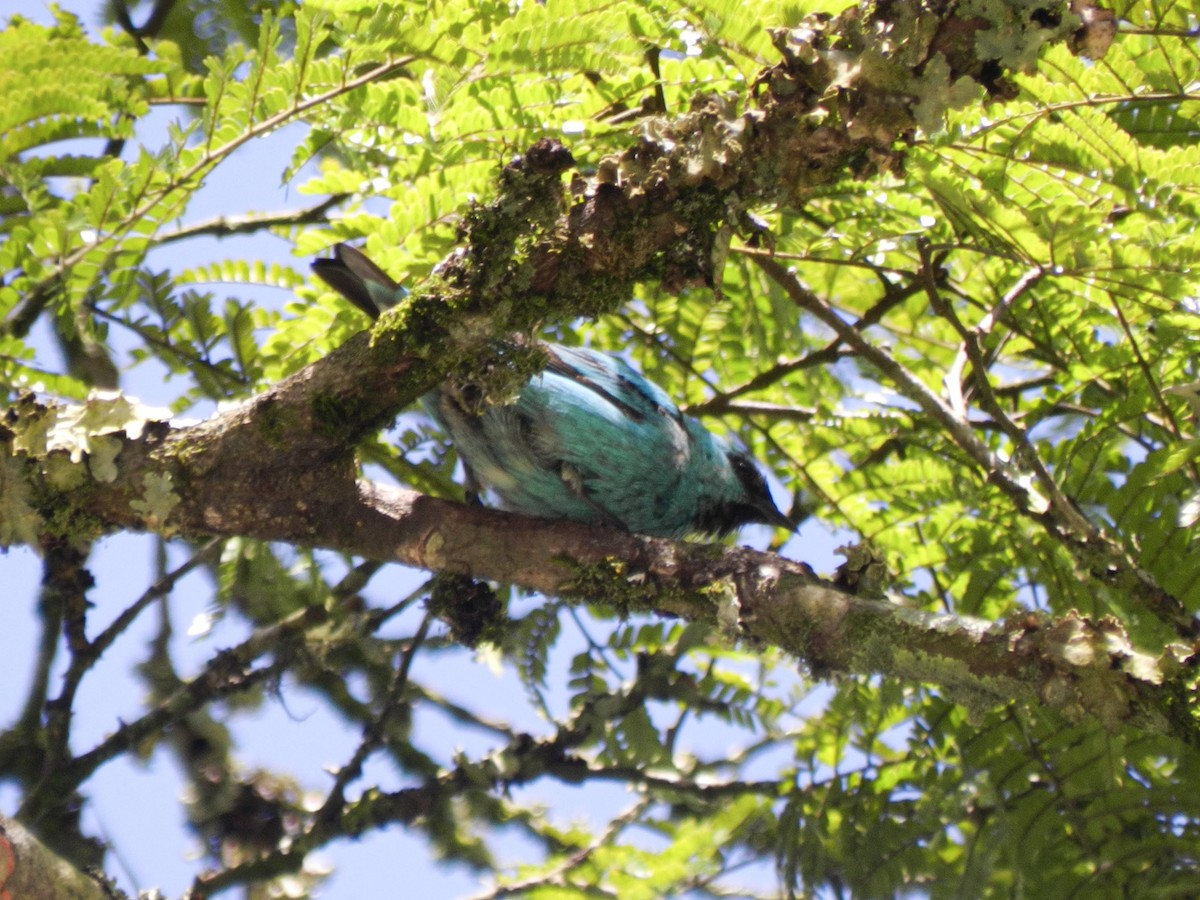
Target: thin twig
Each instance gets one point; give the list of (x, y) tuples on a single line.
[(85, 654), (160, 588), (373, 738), (557, 876), (227, 226), (1092, 549), (225, 673), (194, 172)]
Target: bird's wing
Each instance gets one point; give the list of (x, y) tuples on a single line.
[(615, 438), (613, 380)]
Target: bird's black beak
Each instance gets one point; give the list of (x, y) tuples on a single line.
[(769, 514)]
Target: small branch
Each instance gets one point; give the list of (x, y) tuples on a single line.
[(373, 738), (557, 876), (773, 412), (462, 714), (1093, 550), (65, 585), (1168, 417), (228, 672), (159, 589), (233, 382), (84, 655), (1184, 33), (827, 355), (148, 29), (53, 273), (228, 226), (972, 339)]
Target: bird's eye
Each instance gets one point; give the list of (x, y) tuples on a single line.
[(746, 472)]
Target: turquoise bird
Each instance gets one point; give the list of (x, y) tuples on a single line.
[(589, 439)]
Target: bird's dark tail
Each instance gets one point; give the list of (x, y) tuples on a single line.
[(359, 280)]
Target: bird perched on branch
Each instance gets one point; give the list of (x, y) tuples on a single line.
[(588, 438)]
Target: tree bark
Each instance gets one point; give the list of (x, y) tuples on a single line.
[(29, 871)]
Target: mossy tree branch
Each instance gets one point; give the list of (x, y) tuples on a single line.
[(1078, 666)]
